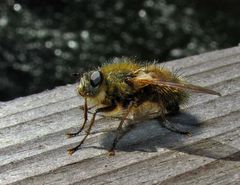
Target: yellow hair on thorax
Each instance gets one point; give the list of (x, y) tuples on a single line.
[(125, 65)]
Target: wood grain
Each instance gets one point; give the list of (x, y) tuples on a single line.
[(33, 143)]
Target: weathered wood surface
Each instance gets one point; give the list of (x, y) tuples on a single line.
[(33, 143)]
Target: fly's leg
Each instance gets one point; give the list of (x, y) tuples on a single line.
[(119, 134), (72, 150), (82, 107), (104, 109), (173, 109), (69, 135), (173, 127)]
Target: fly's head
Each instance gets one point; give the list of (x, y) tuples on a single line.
[(90, 84)]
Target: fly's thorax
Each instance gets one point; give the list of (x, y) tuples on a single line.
[(90, 84)]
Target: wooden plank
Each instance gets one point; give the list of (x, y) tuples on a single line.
[(156, 169), (205, 58), (158, 166), (226, 171), (33, 145), (36, 100)]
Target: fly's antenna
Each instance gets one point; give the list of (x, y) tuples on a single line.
[(76, 75)]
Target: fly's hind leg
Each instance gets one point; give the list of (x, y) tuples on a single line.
[(173, 127), (173, 109)]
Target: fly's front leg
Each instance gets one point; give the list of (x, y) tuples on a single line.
[(69, 135), (104, 109), (82, 107)]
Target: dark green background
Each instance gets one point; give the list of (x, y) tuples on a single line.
[(43, 41)]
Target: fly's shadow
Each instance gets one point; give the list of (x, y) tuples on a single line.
[(149, 136)]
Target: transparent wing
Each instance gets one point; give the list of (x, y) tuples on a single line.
[(142, 82)]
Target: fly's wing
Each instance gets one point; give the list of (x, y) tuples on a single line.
[(145, 81)]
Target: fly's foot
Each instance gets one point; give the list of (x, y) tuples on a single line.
[(111, 152), (71, 151), (81, 107), (69, 135), (189, 134)]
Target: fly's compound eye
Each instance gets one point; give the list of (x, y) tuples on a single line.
[(96, 78)]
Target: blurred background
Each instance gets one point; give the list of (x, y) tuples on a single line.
[(42, 42)]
